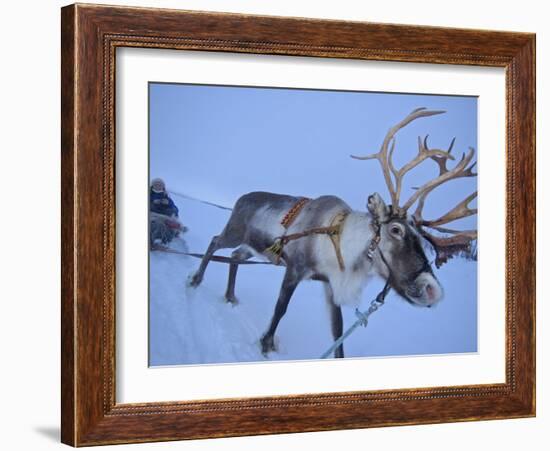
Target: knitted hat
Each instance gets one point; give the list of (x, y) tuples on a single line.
[(160, 182)]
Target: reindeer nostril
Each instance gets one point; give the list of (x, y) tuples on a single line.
[(430, 292)]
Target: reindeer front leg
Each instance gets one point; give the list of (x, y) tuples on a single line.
[(290, 282), (337, 323)]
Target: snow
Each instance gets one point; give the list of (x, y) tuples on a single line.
[(196, 326)]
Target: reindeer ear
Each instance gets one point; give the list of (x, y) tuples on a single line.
[(377, 207)]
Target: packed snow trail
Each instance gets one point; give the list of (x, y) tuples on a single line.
[(196, 326)]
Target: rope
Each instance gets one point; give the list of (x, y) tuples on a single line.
[(212, 204), (214, 258), (362, 319)]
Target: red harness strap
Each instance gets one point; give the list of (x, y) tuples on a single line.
[(290, 216)]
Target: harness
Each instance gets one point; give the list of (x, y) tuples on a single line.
[(334, 231)]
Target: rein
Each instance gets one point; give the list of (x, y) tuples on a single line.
[(362, 319), (377, 302)]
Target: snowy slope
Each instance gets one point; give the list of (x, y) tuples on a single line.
[(196, 326)]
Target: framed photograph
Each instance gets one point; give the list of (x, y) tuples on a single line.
[(279, 225)]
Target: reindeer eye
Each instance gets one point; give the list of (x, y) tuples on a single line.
[(396, 230)]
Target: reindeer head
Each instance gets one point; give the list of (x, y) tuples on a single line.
[(403, 261)]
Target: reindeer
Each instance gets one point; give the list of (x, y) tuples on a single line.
[(324, 239)]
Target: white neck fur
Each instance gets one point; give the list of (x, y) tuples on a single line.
[(348, 285)]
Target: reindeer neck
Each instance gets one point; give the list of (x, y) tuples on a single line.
[(360, 223), (357, 234)]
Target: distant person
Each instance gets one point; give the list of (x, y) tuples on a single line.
[(160, 201), (163, 217)]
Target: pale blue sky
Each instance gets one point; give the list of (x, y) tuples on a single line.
[(217, 142)]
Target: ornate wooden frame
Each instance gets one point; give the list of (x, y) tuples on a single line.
[(90, 35)]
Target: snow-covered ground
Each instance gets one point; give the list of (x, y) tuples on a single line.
[(197, 326)]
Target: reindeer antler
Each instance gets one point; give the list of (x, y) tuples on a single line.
[(459, 211), (385, 156), (460, 170), (454, 241)]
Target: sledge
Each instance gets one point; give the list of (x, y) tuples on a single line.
[(163, 229)]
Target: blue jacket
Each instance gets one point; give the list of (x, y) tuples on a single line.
[(162, 204)]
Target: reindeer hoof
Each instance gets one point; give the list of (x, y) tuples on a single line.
[(232, 300), (195, 280), (268, 344)]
